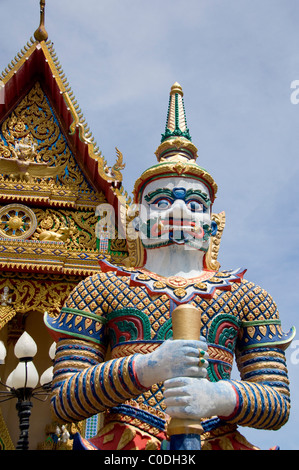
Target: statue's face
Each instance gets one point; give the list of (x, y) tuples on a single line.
[(175, 211)]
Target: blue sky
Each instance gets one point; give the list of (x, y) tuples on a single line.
[(236, 60)]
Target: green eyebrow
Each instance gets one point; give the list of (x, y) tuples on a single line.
[(166, 192), (201, 194)]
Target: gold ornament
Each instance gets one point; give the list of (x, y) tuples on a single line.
[(17, 222)]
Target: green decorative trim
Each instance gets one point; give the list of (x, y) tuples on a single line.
[(245, 324), (257, 333), (84, 314), (127, 327), (165, 331), (226, 340), (201, 194), (228, 332), (214, 370), (155, 245), (136, 313), (167, 192), (72, 334), (170, 174), (177, 131), (281, 343), (152, 195)]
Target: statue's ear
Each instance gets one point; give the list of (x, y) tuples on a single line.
[(135, 223), (135, 248), (214, 228), (217, 226)]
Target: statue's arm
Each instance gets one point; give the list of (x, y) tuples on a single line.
[(263, 395), (85, 382), (261, 398)]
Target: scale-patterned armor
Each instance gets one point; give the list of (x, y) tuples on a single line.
[(118, 313)]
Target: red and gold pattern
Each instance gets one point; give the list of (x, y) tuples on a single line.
[(121, 436)]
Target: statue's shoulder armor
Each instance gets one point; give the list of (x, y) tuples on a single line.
[(83, 314), (259, 316), (254, 302), (91, 292)]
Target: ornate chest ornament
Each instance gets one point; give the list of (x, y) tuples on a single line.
[(179, 289)]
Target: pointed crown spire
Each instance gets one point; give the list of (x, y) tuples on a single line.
[(41, 33), (176, 123), (176, 141), (176, 153)]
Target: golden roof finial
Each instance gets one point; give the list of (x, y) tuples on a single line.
[(41, 33)]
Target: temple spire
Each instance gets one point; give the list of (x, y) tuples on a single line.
[(176, 123), (41, 33)]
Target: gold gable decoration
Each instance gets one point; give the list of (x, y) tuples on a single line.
[(37, 167), (35, 157), (77, 123)]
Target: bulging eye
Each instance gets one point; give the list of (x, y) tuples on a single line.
[(162, 204), (195, 206)]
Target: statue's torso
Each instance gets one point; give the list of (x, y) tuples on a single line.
[(129, 311), (138, 318)]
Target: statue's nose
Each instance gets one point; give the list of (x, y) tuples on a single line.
[(178, 209)]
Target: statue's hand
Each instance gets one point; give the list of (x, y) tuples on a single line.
[(193, 398), (179, 358)]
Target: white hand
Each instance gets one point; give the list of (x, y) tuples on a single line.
[(192, 397), (174, 358)]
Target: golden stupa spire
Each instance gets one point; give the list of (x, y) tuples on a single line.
[(41, 33)]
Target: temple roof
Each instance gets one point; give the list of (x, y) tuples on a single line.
[(53, 176), (38, 62)]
